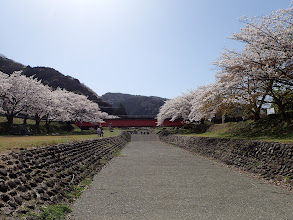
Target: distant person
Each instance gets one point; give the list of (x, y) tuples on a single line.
[(102, 132), (110, 127), (99, 131)]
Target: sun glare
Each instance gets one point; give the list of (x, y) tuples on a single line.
[(96, 10)]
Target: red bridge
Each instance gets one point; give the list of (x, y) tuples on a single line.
[(130, 123)]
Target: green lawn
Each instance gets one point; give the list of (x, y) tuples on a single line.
[(261, 138), (58, 134), (250, 130), (17, 121), (16, 142)]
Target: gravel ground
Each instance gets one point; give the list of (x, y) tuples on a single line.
[(153, 180)]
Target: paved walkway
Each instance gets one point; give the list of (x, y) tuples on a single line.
[(153, 180)]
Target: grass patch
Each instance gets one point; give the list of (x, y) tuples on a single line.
[(271, 128), (103, 161), (114, 132), (17, 121), (117, 153), (55, 212), (51, 212), (17, 142), (78, 189)]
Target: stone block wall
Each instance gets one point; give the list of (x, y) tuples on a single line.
[(31, 178), (272, 160)]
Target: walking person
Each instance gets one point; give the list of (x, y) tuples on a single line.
[(99, 131), (102, 132)]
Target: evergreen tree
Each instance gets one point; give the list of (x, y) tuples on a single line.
[(120, 110)]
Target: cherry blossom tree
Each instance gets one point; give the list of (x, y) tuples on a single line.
[(68, 106), (196, 114), (261, 73), (238, 85), (165, 112), (85, 110), (39, 102), (177, 108), (187, 107), (268, 53), (15, 94), (28, 96)]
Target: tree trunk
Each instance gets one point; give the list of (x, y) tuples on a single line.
[(282, 111), (38, 120), (9, 118), (47, 119), (281, 108), (24, 123), (256, 115), (25, 120), (47, 125)]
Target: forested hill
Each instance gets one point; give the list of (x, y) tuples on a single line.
[(123, 103), (135, 105), (53, 78)]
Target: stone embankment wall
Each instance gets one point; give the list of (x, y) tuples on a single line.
[(31, 178), (273, 161)]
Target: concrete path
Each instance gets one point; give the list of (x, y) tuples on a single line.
[(153, 180)]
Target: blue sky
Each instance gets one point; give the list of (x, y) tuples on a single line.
[(145, 47)]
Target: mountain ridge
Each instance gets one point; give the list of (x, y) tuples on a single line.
[(135, 105), (112, 103), (53, 78)]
